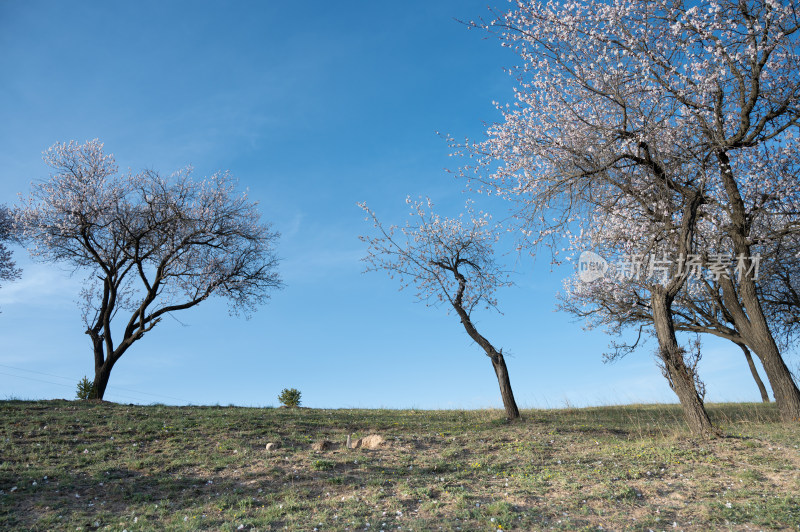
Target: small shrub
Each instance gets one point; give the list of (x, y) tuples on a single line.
[(322, 465), (85, 389), (289, 397), (627, 493), (500, 512)]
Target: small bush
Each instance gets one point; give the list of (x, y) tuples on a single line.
[(85, 389), (289, 397), (322, 465)]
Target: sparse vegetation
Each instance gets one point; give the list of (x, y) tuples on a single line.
[(96, 465)]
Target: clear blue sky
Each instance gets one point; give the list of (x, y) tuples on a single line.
[(314, 106)]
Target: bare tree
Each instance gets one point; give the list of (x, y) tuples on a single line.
[(151, 245), (446, 260)]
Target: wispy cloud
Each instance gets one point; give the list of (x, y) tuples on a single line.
[(292, 228), (41, 285), (319, 264)]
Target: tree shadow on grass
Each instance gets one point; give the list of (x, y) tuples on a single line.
[(119, 494)]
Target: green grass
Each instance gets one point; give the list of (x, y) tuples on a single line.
[(89, 466)]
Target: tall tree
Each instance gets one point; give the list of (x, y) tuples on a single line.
[(645, 274), (151, 245), (448, 261), (700, 307), (610, 88)]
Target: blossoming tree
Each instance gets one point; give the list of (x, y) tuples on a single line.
[(447, 260), (152, 245), (700, 306), (691, 94)]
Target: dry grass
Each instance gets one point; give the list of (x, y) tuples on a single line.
[(77, 465)]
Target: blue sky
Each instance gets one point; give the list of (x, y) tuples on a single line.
[(313, 107)]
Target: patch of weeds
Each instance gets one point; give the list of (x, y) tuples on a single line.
[(451, 452), (772, 512), (626, 493), (423, 492), (432, 506), (323, 465), (650, 522), (749, 475), (500, 513)]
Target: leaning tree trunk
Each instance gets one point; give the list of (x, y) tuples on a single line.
[(753, 371), (745, 307), (500, 369), (787, 396), (498, 363), (680, 376), (748, 316)]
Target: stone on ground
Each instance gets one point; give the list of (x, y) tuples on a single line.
[(322, 445)]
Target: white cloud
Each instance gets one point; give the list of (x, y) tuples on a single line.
[(41, 285), (291, 229), (320, 264)]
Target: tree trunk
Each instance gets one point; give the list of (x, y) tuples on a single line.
[(748, 315), (101, 376), (680, 377), (787, 396), (500, 369), (753, 371), (745, 308), (498, 362), (102, 365), (749, 318)]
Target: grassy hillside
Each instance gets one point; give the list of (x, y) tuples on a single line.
[(79, 465)]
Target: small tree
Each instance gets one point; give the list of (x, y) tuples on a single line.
[(446, 260), (151, 245), (290, 397), (84, 389)]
